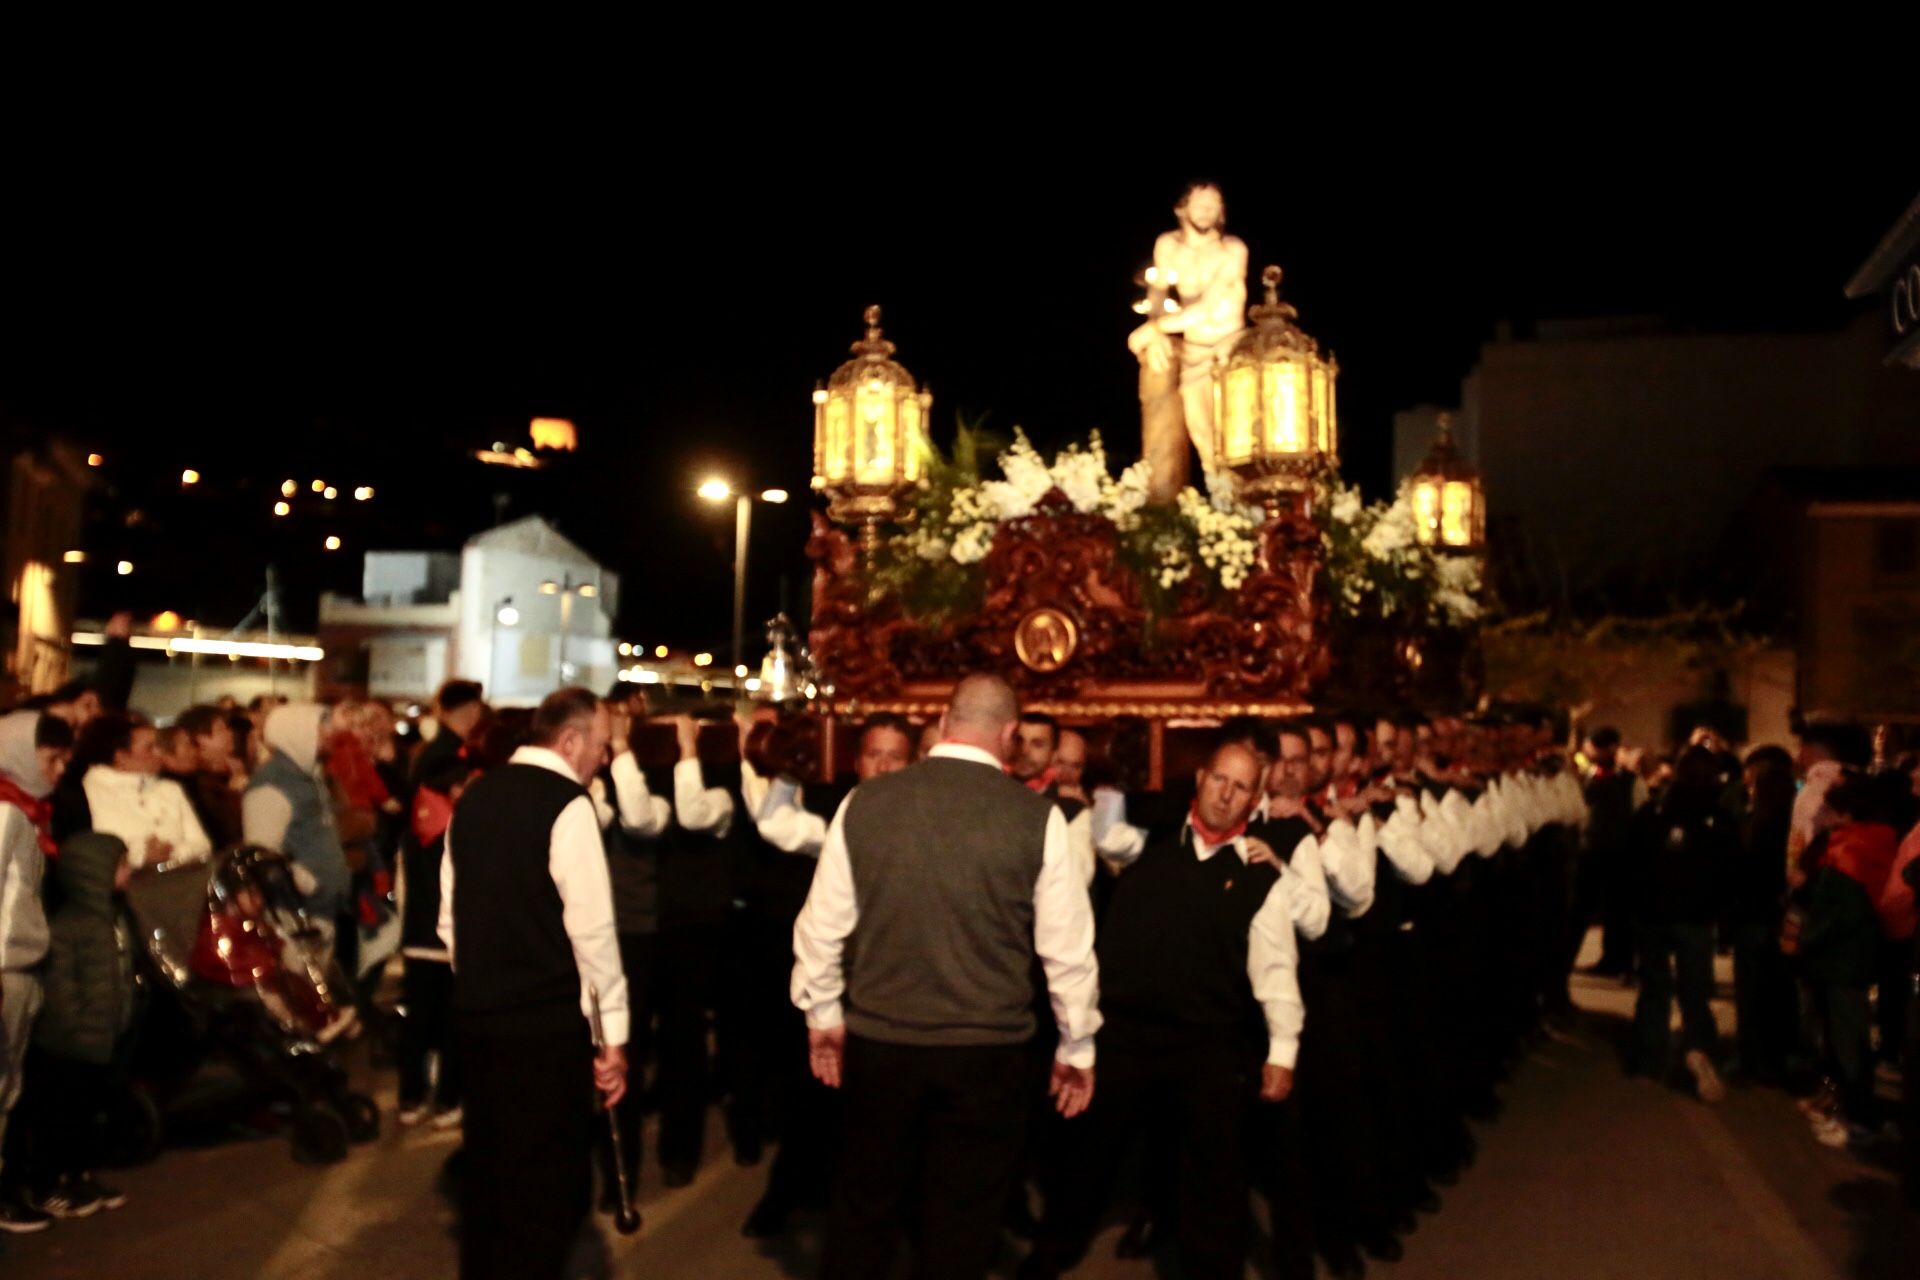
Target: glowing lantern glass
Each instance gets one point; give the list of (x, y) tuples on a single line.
[(869, 433), (1274, 403), (1449, 506)]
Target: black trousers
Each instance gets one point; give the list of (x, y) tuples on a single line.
[(426, 989), (1201, 1086), (930, 1142), (688, 981), (529, 1112), (74, 1097)]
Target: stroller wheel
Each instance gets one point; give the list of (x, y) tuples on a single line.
[(319, 1134), (362, 1116)]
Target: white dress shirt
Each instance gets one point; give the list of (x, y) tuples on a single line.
[(1114, 838), (1062, 930), (1401, 841), (1303, 884), (780, 814), (577, 860), (638, 811), (1347, 852), (1273, 961), (699, 806)]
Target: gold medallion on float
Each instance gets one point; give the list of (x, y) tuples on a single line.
[(1045, 640)]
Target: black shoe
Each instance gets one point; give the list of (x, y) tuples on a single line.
[(1140, 1237), (676, 1175), (109, 1197), (768, 1219), (20, 1219), (1383, 1248)]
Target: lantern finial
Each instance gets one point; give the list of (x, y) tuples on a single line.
[(1273, 313), (1271, 278), (873, 346), (1446, 425)]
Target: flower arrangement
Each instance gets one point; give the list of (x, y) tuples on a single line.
[(1374, 564)]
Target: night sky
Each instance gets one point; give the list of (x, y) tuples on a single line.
[(369, 309)]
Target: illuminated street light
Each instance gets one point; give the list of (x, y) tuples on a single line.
[(702, 659), (588, 591), (333, 544), (626, 650), (740, 672), (660, 651), (508, 616), (363, 493), (281, 508), (94, 460), (124, 568), (319, 486), (330, 493), (775, 496), (189, 476), (715, 490), (288, 488), (75, 557)]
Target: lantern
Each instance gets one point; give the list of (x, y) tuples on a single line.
[(1274, 403), (1449, 506), (869, 434)]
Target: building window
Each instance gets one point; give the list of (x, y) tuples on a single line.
[(1896, 549)]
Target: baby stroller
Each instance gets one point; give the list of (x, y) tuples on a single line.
[(255, 978)]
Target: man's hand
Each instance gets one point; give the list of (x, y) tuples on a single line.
[(687, 730), (1275, 1083), (826, 1052), (1071, 1088), (157, 850), (610, 1074), (1259, 851)]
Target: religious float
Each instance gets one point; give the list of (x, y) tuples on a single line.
[(1138, 597)]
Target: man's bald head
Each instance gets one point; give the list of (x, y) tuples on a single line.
[(1227, 787), (982, 714)]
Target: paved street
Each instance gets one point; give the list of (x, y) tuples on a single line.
[(1585, 1177)]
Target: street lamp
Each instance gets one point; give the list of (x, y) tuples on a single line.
[(567, 589), (716, 490), (504, 615)]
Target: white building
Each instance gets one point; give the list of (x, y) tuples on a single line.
[(520, 609)]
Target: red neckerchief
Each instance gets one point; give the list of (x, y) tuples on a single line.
[(39, 813), (1042, 780), (1213, 839)]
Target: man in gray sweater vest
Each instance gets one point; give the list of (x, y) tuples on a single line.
[(936, 889)]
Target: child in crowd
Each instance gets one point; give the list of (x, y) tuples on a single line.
[(82, 1034)]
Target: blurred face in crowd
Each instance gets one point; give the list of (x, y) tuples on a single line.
[(141, 756), (1319, 757), (215, 747), (1227, 787), (1386, 740), (179, 755), (78, 712), (1288, 777), (376, 731), (1605, 756), (1070, 759), (883, 749), (1033, 748), (1345, 740), (53, 762)]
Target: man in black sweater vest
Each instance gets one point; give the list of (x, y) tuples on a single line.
[(936, 889), (1203, 1014), (527, 915)]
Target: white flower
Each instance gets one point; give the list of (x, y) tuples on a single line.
[(932, 548), (1025, 471), (974, 542), (1006, 501), (1080, 476), (1346, 505), (1457, 605)]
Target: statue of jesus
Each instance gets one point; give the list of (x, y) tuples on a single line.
[(1204, 271)]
